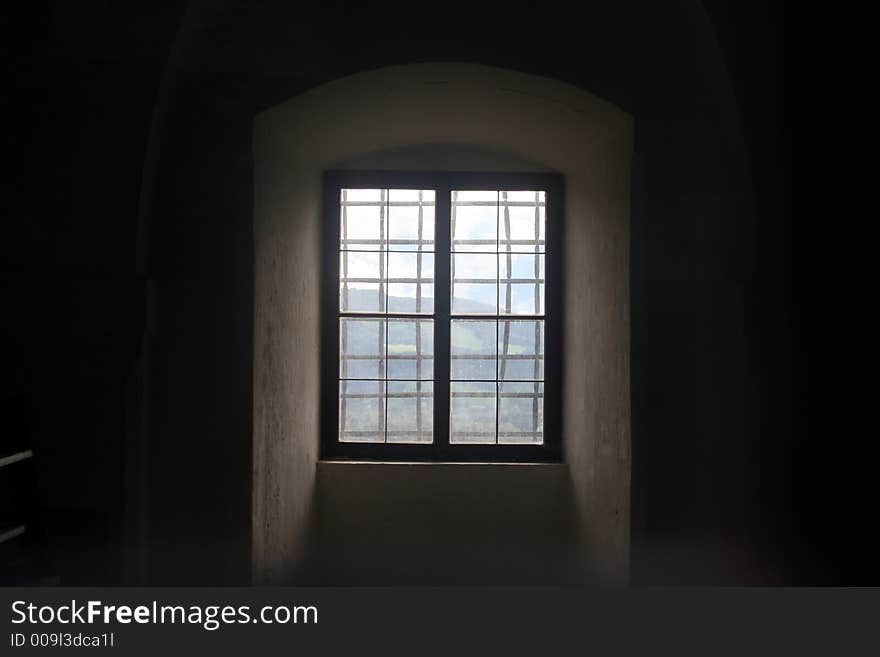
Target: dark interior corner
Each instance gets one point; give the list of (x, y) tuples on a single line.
[(128, 340)]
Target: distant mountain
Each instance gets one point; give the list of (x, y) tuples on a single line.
[(470, 306), (401, 336), (367, 300)]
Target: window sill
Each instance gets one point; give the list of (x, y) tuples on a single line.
[(345, 463)]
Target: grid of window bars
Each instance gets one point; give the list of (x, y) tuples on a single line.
[(386, 288), (386, 326), (497, 333)]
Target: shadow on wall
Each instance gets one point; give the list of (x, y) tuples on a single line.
[(449, 524)]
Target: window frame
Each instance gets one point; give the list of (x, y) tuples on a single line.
[(441, 450)]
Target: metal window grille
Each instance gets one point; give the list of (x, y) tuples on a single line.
[(374, 381), (507, 247), (439, 321)]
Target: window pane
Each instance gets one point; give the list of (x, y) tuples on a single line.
[(361, 348), (521, 413), (474, 287), (411, 349), (521, 222), (473, 349), (362, 219), (410, 411), (411, 220), (361, 285), (521, 350), (386, 388), (362, 411), (472, 412), (411, 282), (521, 284), (474, 221)]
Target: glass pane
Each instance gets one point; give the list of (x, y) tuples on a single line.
[(361, 285), (521, 350), (411, 220), (410, 411), (362, 219), (521, 284), (411, 349), (472, 412), (474, 221), (361, 348), (521, 413), (474, 289), (473, 349), (521, 222), (362, 411), (411, 282)]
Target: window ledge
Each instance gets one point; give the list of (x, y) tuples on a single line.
[(343, 463)]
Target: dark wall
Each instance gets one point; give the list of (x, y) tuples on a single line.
[(80, 83), (137, 141)]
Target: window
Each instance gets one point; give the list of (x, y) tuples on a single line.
[(441, 316)]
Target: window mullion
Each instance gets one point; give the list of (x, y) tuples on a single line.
[(442, 300)]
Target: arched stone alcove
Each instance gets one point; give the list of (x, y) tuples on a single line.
[(451, 117)]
